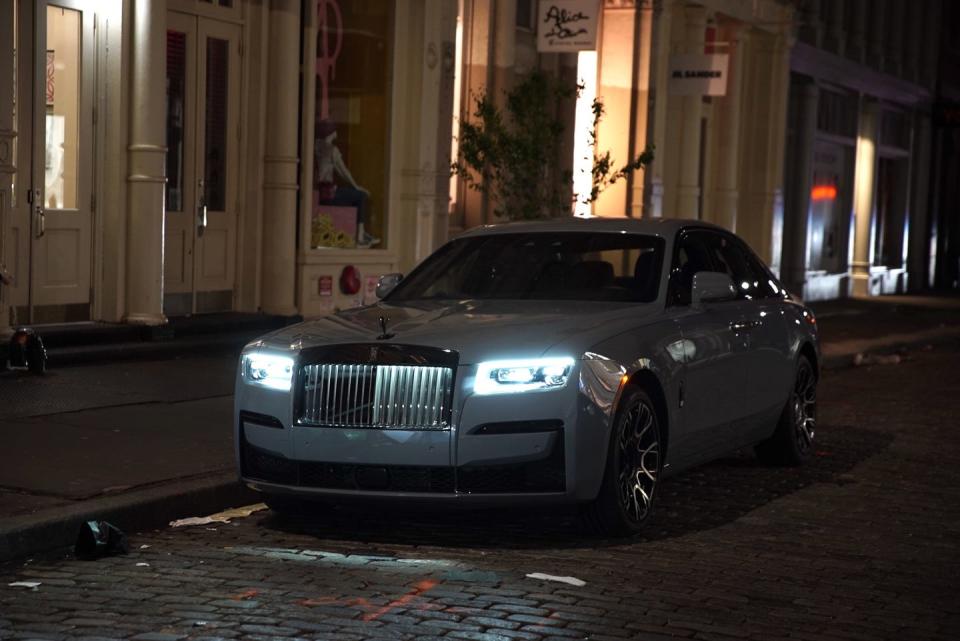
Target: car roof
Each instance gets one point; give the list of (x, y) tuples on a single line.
[(664, 227)]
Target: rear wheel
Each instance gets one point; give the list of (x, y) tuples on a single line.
[(792, 442), (634, 462)]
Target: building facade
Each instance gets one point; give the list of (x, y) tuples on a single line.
[(858, 147), (169, 157), (717, 154)]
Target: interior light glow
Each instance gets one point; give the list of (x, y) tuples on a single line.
[(508, 377), (268, 370), (823, 192), (583, 134)]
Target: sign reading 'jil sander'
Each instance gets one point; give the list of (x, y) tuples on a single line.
[(694, 74), (567, 25)]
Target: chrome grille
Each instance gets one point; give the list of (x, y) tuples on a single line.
[(377, 396)]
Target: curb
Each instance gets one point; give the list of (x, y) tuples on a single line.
[(150, 350), (133, 511)]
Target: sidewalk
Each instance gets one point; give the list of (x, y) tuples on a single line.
[(142, 442), (883, 325)]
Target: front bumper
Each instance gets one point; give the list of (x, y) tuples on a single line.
[(544, 446)]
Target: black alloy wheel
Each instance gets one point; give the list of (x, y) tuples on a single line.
[(634, 464), (792, 441)]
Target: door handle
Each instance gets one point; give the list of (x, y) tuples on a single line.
[(742, 326), (41, 218), (201, 219), (201, 211)]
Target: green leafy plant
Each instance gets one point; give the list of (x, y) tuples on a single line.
[(511, 154)]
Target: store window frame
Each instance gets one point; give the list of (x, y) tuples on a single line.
[(310, 106)]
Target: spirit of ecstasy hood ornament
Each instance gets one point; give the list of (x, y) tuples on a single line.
[(383, 320)]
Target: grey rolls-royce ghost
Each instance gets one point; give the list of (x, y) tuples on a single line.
[(571, 361)]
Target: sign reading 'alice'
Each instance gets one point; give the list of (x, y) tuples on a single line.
[(567, 25)]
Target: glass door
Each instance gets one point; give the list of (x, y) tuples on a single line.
[(52, 223), (203, 84)]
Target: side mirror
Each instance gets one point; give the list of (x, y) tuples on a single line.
[(386, 284), (712, 287)]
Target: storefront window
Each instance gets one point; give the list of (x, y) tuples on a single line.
[(351, 123), (837, 113), (176, 94), (62, 93), (831, 196)]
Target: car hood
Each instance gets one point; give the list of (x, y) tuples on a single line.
[(477, 330)]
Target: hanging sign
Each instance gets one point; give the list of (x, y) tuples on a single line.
[(696, 74), (567, 25)]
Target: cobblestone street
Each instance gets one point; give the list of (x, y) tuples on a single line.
[(861, 544)]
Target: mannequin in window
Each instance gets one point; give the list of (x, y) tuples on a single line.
[(327, 163)]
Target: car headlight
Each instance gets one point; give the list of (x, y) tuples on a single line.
[(505, 377), (270, 370)]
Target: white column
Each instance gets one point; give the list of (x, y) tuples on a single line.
[(435, 101), (659, 68), (643, 98), (688, 183), (728, 131), (863, 196), (278, 278), (8, 137), (615, 89), (146, 168)]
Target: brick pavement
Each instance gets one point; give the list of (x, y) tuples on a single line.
[(859, 545)]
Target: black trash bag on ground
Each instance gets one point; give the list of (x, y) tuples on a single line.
[(26, 352), (98, 539)]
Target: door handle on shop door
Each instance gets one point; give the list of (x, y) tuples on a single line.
[(201, 218), (201, 208), (41, 221)]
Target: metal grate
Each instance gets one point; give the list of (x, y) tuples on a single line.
[(377, 396)]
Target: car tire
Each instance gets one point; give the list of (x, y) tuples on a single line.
[(625, 502), (792, 441)]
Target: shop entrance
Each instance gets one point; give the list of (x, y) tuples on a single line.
[(52, 217), (203, 98)]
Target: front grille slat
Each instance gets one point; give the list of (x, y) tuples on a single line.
[(376, 396)]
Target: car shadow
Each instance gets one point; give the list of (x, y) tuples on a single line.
[(702, 498)]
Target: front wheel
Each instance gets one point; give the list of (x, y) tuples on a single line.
[(792, 442), (634, 463)]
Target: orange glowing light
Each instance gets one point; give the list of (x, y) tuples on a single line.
[(823, 192)]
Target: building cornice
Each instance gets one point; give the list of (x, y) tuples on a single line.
[(829, 67)]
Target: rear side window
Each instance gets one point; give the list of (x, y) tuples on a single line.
[(750, 278), (693, 255)]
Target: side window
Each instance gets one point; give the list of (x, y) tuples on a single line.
[(692, 256), (738, 262), (768, 287)]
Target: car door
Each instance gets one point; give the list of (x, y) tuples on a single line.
[(770, 366), (714, 353)]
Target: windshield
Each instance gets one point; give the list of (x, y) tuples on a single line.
[(540, 266)]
